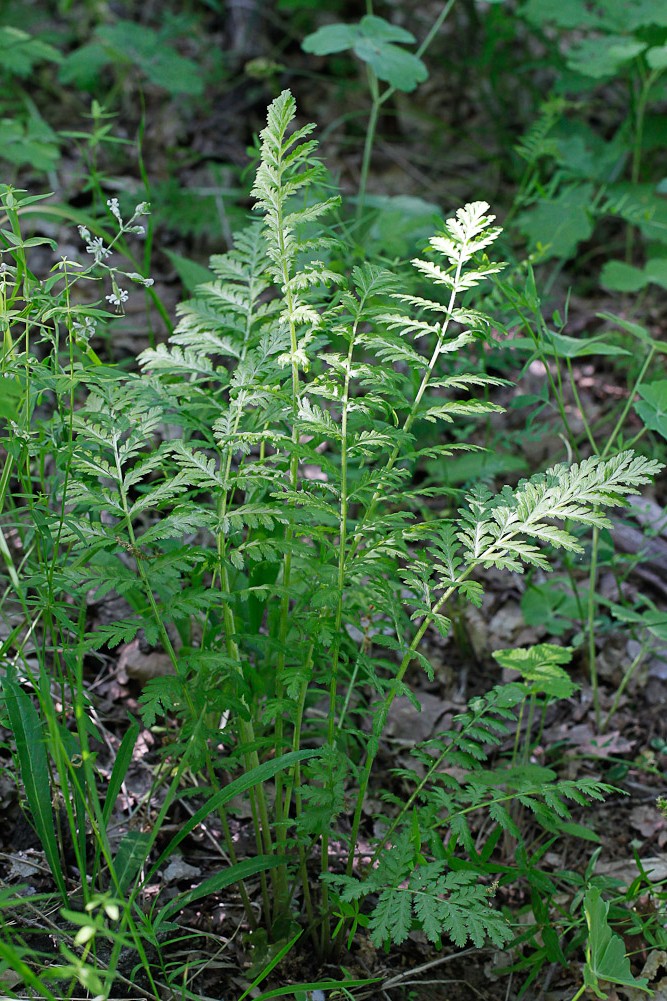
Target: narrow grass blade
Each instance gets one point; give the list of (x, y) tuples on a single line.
[(119, 771), (320, 985), (272, 964), (252, 778), (30, 979), (77, 816), (234, 874), (33, 762)]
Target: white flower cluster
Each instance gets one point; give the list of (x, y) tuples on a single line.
[(96, 246)]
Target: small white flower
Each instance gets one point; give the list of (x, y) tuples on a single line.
[(84, 233), (97, 249), (143, 208), (84, 328), (139, 230), (112, 205), (117, 297)]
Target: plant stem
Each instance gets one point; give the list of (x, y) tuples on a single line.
[(371, 129), (378, 99)]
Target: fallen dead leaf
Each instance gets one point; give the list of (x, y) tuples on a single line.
[(141, 667)]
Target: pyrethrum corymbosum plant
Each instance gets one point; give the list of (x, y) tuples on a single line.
[(269, 542)]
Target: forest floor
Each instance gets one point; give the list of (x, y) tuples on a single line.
[(629, 753)]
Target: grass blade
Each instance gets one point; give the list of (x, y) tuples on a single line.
[(234, 874), (119, 771), (252, 778), (33, 763)]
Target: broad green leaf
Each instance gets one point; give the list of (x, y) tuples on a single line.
[(628, 15), (152, 53), (382, 31), (19, 51), (657, 57), (10, 394), (655, 270), (564, 14), (583, 152), (540, 665), (402, 225), (331, 38), (563, 346), (558, 225), (642, 206), (28, 732), (83, 66), (604, 56), (372, 40), (617, 276), (548, 606), (397, 67), (606, 959), (191, 273), (654, 620), (621, 277), (652, 408), (31, 142), (635, 330)]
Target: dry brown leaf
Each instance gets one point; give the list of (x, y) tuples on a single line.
[(141, 667)]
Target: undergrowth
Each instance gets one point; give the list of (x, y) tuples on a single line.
[(253, 495)]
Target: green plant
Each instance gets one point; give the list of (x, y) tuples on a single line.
[(567, 915), (27, 138), (274, 548), (605, 954), (374, 41), (126, 45), (593, 153), (628, 344)]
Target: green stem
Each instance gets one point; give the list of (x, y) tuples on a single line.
[(378, 99), (412, 415), (371, 129), (381, 717), (627, 677), (556, 386), (592, 604), (281, 904), (338, 623), (580, 407), (592, 576), (629, 402), (635, 170)]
